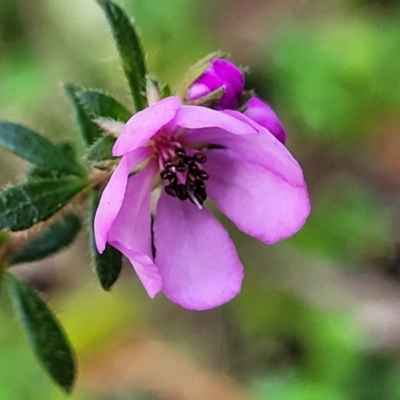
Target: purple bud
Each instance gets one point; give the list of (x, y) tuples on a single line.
[(220, 73), (264, 115)]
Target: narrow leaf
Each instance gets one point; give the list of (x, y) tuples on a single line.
[(99, 104), (109, 263), (44, 332), (88, 129), (101, 150), (24, 205), (55, 238), (130, 51), (36, 149)]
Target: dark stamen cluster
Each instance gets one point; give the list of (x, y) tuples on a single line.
[(194, 175)]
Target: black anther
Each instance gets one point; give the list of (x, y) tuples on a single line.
[(190, 186), (180, 152), (171, 190), (191, 177), (173, 180), (200, 195), (186, 165), (165, 174), (188, 160), (200, 185), (193, 168), (180, 167), (168, 164), (181, 192), (202, 175), (200, 157)]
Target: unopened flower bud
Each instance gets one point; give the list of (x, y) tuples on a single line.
[(260, 112), (220, 73)]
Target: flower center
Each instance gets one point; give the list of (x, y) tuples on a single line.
[(184, 175)]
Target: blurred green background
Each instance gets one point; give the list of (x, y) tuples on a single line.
[(319, 314)]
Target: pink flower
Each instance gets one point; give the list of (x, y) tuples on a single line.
[(222, 73), (197, 152)]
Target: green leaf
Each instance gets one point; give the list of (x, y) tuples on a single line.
[(68, 149), (24, 205), (36, 149), (101, 150), (100, 104), (109, 263), (55, 238), (39, 173), (130, 51), (46, 173), (44, 332), (88, 129)]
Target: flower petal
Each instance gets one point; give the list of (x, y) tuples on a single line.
[(196, 258), (113, 195), (145, 124), (110, 204), (131, 231), (259, 202), (261, 149), (197, 117)]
